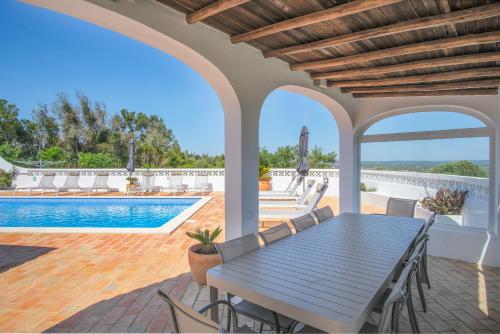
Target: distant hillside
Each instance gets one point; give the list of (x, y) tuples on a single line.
[(413, 166)]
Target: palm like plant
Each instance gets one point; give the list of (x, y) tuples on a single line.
[(206, 238)]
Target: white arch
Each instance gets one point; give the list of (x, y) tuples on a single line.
[(361, 129), (346, 143)]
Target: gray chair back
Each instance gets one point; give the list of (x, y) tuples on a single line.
[(401, 207), (303, 198), (235, 248), (389, 319), (323, 214), (101, 180), (47, 180), (148, 181), (71, 180), (200, 180), (289, 186), (275, 233), (303, 222), (175, 179), (186, 320), (295, 187), (426, 215)]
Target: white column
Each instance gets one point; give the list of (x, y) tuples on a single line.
[(349, 175), (241, 169)]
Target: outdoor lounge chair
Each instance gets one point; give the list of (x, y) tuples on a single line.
[(201, 183), (291, 203), (294, 213), (400, 207), (147, 185), (303, 222), (175, 184), (234, 249), (100, 183), (186, 320), (46, 183), (71, 183), (291, 194)]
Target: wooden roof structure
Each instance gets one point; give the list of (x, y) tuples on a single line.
[(370, 48)]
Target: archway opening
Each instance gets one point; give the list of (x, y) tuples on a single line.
[(441, 159)]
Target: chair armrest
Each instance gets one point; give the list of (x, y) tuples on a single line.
[(232, 310)]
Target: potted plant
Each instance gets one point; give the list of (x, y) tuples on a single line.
[(264, 177), (5, 179), (447, 205), (132, 182), (203, 255)]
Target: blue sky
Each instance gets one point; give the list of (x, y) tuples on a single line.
[(45, 53)]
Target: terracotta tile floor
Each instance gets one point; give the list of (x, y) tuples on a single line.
[(108, 282)]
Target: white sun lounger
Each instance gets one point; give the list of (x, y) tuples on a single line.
[(293, 213), (201, 183), (71, 183), (100, 183), (291, 194), (46, 183), (293, 203), (175, 184), (147, 184)]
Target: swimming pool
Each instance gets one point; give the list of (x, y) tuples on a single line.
[(108, 214)]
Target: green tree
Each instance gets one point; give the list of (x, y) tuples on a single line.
[(9, 123), (54, 153), (97, 160), (70, 125), (94, 122), (47, 129), (9, 152), (318, 159), (463, 167)]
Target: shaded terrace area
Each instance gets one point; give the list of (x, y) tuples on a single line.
[(108, 283)]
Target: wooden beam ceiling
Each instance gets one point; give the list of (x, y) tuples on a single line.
[(459, 92), (213, 9), (488, 83), (423, 78), (466, 15), (336, 12), (440, 44), (476, 58)]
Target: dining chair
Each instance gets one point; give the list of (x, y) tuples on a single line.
[(187, 320), (323, 214), (275, 233), (400, 207), (303, 222), (430, 218), (234, 249), (389, 306)]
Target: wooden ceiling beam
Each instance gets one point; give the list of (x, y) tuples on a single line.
[(470, 14), (476, 58), (488, 83), (482, 72), (487, 91), (349, 8), (213, 9), (440, 44)]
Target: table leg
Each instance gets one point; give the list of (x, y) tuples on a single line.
[(214, 295)]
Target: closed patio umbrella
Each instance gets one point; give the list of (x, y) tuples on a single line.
[(131, 157), (302, 164)]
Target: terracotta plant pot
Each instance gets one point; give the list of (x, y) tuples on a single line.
[(200, 263), (264, 185)]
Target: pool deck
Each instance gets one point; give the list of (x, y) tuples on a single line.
[(108, 282)]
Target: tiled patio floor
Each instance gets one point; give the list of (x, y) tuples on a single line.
[(108, 282)]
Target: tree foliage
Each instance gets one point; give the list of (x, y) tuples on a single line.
[(287, 156), (464, 168)]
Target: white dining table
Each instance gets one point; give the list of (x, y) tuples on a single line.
[(329, 276)]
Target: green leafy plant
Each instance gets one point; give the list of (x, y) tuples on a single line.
[(132, 179), (5, 179), (364, 188), (445, 202), (264, 171), (464, 167), (206, 238)]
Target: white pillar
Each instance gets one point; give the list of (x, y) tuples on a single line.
[(348, 169), (241, 169)]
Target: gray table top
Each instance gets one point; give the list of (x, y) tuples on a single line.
[(328, 276)]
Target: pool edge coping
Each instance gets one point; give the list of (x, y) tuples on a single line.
[(167, 228)]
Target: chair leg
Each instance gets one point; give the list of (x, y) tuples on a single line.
[(424, 265), (421, 290), (411, 313), (261, 328)]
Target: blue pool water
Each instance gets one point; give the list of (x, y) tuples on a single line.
[(91, 212)]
